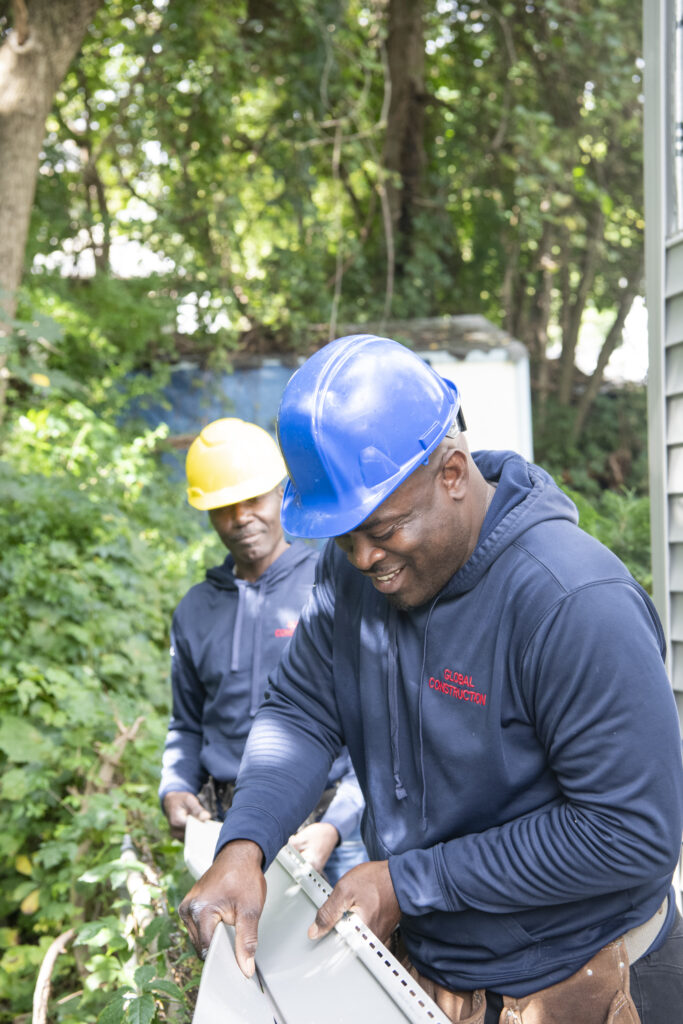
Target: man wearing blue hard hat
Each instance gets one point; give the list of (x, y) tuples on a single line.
[(498, 678)]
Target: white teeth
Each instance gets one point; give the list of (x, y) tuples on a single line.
[(385, 579)]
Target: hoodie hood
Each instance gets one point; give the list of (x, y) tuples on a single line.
[(525, 496), (223, 576)]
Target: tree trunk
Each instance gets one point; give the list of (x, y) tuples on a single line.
[(539, 320), (612, 342), (572, 317), (33, 61), (404, 156)]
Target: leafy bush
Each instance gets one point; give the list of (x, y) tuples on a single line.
[(621, 521), (612, 452), (97, 548)]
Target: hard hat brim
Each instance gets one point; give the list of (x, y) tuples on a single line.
[(232, 495)]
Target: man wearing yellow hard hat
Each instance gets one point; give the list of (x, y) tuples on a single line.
[(228, 634)]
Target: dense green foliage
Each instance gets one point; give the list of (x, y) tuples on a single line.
[(613, 453), (97, 548), (241, 151), (244, 154)]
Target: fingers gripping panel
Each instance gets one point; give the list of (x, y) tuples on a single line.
[(348, 977)]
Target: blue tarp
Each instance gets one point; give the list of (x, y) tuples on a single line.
[(195, 397)]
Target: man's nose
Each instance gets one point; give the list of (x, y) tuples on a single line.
[(231, 516), (240, 513), (360, 551)]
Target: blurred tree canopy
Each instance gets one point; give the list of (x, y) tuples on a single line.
[(273, 165)]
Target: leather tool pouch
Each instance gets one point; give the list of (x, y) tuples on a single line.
[(597, 994), (463, 1007), (600, 993)]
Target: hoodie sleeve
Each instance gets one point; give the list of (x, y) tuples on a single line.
[(295, 736), (346, 810), (593, 680), (180, 767)]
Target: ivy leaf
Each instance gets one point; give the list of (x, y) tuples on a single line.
[(168, 988), (30, 903), (144, 975), (104, 932), (141, 1010), (114, 1012)]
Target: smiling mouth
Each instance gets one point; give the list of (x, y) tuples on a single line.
[(386, 577)]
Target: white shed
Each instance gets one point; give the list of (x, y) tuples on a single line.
[(489, 367)]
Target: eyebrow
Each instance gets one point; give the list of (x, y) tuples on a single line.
[(377, 522)]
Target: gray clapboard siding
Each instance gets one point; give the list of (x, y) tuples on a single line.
[(663, 50)]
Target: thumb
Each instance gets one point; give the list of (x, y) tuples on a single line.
[(331, 911), (246, 941), (196, 809)]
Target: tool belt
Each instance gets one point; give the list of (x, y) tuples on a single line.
[(217, 796), (599, 993)]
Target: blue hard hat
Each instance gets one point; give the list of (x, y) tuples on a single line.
[(355, 420)]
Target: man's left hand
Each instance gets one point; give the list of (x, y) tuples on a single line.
[(366, 889)]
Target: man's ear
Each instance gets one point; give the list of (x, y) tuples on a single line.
[(455, 472)]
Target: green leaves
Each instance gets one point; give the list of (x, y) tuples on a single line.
[(138, 1006), (20, 741), (93, 568)]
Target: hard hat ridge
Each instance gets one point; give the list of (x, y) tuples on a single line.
[(355, 420)]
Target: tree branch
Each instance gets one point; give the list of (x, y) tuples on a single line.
[(21, 28), (611, 343), (587, 275), (41, 993)]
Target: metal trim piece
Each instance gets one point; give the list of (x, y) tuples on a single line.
[(348, 977)]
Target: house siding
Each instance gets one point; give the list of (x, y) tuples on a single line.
[(663, 46)]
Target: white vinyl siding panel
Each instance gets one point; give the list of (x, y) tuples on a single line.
[(674, 419), (674, 315), (673, 335), (674, 270), (673, 362)]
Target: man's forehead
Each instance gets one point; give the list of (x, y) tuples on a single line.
[(377, 518)]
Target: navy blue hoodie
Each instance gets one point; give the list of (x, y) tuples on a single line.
[(516, 741), (227, 635)]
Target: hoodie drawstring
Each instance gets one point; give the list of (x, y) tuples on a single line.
[(392, 686), (257, 684), (249, 594), (237, 628), (423, 805)]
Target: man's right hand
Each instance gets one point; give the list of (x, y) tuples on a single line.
[(178, 807), (233, 890)]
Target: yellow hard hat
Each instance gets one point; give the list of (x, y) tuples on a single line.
[(231, 461)]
